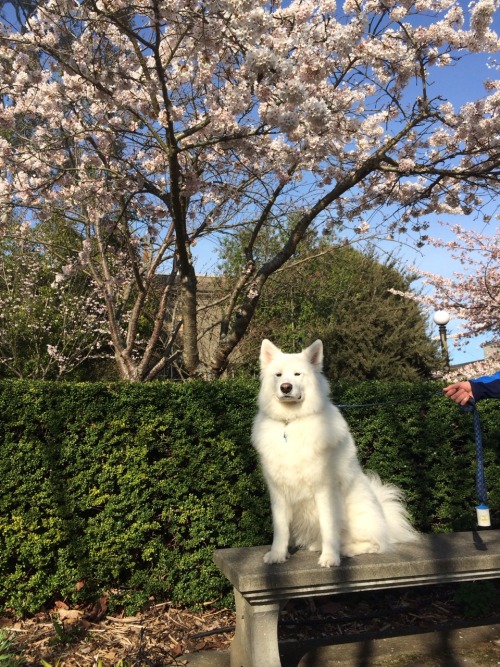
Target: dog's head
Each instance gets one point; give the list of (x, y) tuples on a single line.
[(291, 379)]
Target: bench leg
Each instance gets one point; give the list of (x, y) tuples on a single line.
[(255, 642)]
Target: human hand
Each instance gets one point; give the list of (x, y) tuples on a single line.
[(460, 392)]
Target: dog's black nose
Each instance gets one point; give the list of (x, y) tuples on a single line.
[(286, 388)]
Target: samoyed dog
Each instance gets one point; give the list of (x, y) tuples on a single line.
[(320, 497)]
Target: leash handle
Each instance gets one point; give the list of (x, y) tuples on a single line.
[(483, 516)]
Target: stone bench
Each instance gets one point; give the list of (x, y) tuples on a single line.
[(261, 590)]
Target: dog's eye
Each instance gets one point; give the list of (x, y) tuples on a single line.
[(278, 375), (297, 374)]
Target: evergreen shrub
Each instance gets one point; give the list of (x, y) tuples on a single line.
[(127, 489)]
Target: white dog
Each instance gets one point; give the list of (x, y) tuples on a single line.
[(320, 497)]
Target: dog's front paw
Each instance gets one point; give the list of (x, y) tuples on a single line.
[(329, 559), (275, 557)]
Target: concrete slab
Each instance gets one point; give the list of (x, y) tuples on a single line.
[(205, 659), (433, 559), (470, 647), (465, 647)]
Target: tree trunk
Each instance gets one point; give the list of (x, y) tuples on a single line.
[(189, 318)]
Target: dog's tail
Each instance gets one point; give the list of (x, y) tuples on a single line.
[(392, 500)]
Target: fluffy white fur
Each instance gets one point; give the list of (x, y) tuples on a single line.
[(320, 497)]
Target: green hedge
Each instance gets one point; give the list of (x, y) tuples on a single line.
[(126, 487), (129, 488)]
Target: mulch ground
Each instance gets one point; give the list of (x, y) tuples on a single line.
[(163, 634)]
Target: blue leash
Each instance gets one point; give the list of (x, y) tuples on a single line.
[(371, 405), (483, 512)]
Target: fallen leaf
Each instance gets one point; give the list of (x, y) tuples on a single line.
[(176, 650), (61, 605), (98, 610), (69, 614)]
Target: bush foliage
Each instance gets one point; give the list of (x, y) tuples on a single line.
[(126, 489)]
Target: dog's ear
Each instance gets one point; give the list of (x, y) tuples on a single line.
[(314, 354), (267, 352)]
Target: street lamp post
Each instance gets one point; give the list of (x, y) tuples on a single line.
[(441, 318)]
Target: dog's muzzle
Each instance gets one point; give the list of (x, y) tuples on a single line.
[(286, 392)]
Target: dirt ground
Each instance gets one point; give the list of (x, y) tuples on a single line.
[(157, 636), (163, 635)]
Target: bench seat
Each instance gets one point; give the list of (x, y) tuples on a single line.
[(261, 590)]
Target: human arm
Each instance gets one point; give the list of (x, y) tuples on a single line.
[(487, 386)]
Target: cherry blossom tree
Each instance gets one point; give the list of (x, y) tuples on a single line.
[(151, 127), (471, 296)]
